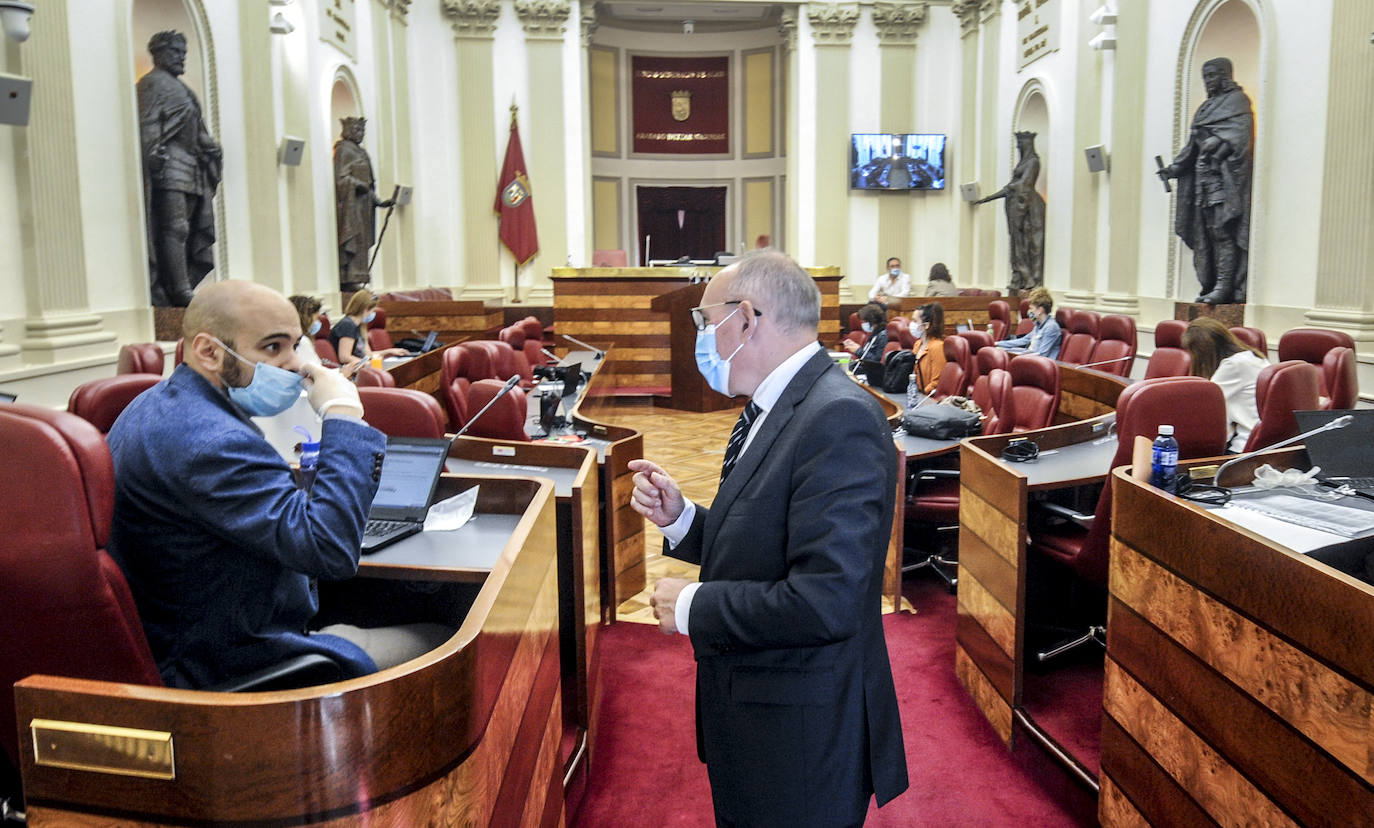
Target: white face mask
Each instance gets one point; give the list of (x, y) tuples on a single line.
[(867, 326), (895, 272), (917, 329)]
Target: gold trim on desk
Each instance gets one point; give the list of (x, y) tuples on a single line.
[(124, 751)]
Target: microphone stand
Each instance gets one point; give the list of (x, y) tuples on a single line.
[(505, 389), (1104, 362), (1339, 422), (599, 353)]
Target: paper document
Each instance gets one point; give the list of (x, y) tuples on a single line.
[(1346, 521)]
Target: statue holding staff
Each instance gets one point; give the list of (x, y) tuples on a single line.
[(1025, 218)]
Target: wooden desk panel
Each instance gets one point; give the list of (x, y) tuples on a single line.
[(466, 734), (454, 320), (1234, 665), (959, 310)]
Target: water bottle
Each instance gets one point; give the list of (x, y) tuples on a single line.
[(1164, 459), (913, 392)]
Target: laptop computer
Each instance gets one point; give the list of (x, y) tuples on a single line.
[(1346, 455), (430, 342), (410, 474)]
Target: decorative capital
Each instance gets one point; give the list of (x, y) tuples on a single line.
[(400, 9), (990, 9), (832, 23), (589, 23), (968, 12), (543, 19), (899, 22), (787, 27), (473, 18)]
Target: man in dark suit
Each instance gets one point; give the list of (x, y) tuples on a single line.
[(797, 717)]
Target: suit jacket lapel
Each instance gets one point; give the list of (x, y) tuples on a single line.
[(778, 418)]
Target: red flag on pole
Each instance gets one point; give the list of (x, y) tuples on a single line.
[(514, 203)]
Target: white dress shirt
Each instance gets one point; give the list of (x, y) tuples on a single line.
[(1237, 375), (765, 397), (889, 285)]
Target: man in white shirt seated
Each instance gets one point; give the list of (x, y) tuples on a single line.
[(894, 283)]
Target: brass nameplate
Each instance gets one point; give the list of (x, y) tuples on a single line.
[(125, 751)]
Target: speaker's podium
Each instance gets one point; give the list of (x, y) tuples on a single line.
[(689, 389)]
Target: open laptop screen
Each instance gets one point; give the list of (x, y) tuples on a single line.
[(409, 473)]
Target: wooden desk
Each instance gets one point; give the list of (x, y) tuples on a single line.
[(466, 734), (689, 389), (454, 320), (1239, 675)]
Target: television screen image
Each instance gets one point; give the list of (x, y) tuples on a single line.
[(896, 161)]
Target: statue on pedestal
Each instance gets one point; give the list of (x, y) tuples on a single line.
[(1213, 171), (1025, 218), (355, 202), (181, 171)]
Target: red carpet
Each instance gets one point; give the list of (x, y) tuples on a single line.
[(645, 769)]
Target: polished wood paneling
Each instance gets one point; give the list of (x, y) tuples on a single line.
[(1087, 392), (994, 662), (996, 619), (1154, 797), (998, 531), (454, 320), (992, 570), (985, 696), (1116, 809)]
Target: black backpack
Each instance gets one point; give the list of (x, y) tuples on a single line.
[(898, 366)]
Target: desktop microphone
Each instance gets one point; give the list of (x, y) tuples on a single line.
[(1104, 362), (599, 353), (505, 389), (1339, 422), (550, 354)]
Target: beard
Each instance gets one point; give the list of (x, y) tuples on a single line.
[(232, 373)]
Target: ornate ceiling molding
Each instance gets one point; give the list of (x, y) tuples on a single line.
[(898, 23), (473, 18), (832, 23), (543, 19), (589, 23), (968, 12), (787, 27)]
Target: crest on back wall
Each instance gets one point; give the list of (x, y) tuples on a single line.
[(682, 104)]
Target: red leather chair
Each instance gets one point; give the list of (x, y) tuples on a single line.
[(1280, 390), (960, 382), (534, 329), (1254, 337), (503, 421), (1000, 413), (402, 412), (1035, 384), (100, 401), (609, 258), (453, 385), (369, 377), (1197, 409), (378, 339), (1340, 379), (1115, 341), (1169, 333), (479, 363), (1312, 345), (140, 358), (378, 320), (1024, 323), (999, 316), (899, 331), (977, 340), (514, 336), (1168, 362), (985, 362), (64, 603), (323, 332), (1080, 338), (502, 358), (324, 349), (1064, 316)]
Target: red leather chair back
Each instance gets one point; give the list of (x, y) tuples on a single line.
[(379, 320), (1340, 379), (953, 382), (100, 401), (64, 603), (378, 339), (515, 337), (989, 358), (324, 349), (453, 385), (478, 364), (1169, 333), (977, 341), (369, 377), (957, 352), (609, 258), (402, 412), (1080, 338), (1115, 341), (1023, 308), (1025, 326), (999, 415), (323, 332), (1254, 337), (502, 358), (1281, 389), (1064, 316), (899, 331), (503, 421), (1168, 362), (855, 323), (534, 329), (1035, 384), (999, 310), (140, 358), (1312, 345)]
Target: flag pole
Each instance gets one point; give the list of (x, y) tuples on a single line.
[(515, 281)]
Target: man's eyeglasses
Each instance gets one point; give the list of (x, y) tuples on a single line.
[(699, 319)]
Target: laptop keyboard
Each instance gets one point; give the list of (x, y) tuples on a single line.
[(377, 528)]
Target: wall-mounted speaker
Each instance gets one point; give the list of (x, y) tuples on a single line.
[(290, 152), (403, 194), (1097, 158), (969, 191), (15, 92)]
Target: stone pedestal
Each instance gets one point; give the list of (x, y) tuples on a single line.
[(167, 324), (1229, 315)]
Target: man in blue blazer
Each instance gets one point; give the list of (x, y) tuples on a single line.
[(797, 717), (220, 547)]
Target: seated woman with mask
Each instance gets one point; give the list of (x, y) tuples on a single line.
[(868, 357), (349, 334), (308, 308), (928, 326)]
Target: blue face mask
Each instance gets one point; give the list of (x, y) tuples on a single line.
[(371, 315), (713, 367), (271, 391), (314, 327), (895, 272)]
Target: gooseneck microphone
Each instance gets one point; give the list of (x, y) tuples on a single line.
[(505, 389), (1339, 422), (599, 353), (1104, 362)]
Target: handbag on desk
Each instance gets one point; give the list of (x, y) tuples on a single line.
[(943, 421)]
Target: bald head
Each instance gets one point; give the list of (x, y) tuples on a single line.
[(260, 324), (221, 309)]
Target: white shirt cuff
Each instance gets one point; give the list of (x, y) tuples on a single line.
[(684, 606), (677, 530)]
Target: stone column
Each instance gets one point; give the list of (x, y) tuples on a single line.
[(58, 325), (993, 143), (474, 23), (791, 232), (832, 29), (396, 258), (1086, 214), (898, 25), (259, 156), (1345, 254), (543, 125), (962, 170), (1127, 159)]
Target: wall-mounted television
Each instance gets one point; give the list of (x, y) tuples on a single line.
[(896, 161)]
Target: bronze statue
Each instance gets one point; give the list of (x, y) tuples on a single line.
[(181, 170), (1213, 171), (1025, 218), (355, 200)]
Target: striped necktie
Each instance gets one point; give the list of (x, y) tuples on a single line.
[(737, 437)]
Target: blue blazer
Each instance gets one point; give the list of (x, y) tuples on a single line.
[(797, 717), (219, 546)]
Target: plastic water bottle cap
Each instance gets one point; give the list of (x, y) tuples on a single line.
[(1166, 430)]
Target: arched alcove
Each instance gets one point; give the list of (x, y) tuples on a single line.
[(1230, 31), (153, 16), (1033, 115), (344, 101)]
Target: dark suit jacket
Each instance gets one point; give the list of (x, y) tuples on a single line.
[(797, 717)]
